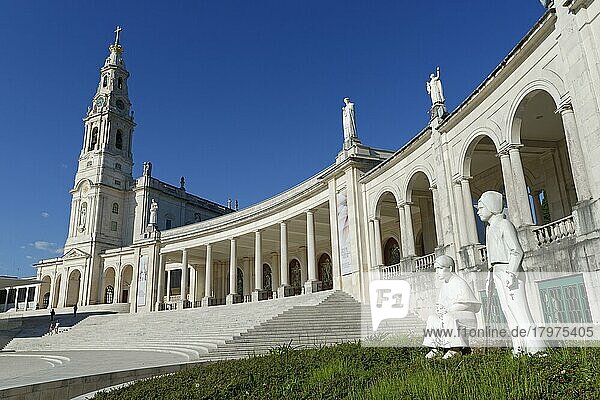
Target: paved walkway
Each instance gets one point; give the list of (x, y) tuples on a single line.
[(26, 368)]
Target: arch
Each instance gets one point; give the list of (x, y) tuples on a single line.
[(420, 203), (295, 275), (45, 288), (125, 283), (420, 169), (544, 154), (105, 81), (325, 271), (120, 83), (267, 277), (394, 191), (115, 208), (469, 146), (73, 286), (527, 92)]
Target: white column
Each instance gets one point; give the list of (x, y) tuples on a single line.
[(184, 274), (310, 239), (258, 281), (377, 241), (208, 286), (520, 186), (408, 228), (168, 285), (117, 285), (372, 256), (469, 211), (6, 300), (274, 271), (193, 285), (460, 208), (437, 217), (52, 292), (232, 267), (576, 156), (284, 255), (160, 291), (511, 199)]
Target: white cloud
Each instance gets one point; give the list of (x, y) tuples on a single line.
[(47, 246), (29, 257), (44, 214), (41, 245)]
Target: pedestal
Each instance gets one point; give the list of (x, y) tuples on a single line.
[(285, 291), (312, 287), (207, 301), (258, 295)]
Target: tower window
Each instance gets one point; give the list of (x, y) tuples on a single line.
[(118, 166), (168, 224), (117, 182), (105, 81), (115, 208), (94, 139), (119, 140), (113, 226), (120, 83)]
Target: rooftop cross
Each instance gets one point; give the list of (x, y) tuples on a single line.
[(118, 31)]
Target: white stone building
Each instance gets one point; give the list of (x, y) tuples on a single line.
[(531, 130)]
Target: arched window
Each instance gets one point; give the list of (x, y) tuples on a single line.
[(325, 271), (239, 286), (115, 208), (94, 139), (267, 278), (105, 81), (109, 294), (120, 83), (295, 276), (391, 252), (119, 140)]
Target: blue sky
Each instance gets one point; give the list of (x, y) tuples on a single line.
[(242, 98)]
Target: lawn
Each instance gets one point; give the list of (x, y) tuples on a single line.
[(350, 371)]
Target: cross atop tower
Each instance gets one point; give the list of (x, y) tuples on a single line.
[(118, 31)]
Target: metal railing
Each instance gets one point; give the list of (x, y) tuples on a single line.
[(555, 231)]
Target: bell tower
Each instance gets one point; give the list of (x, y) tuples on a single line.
[(101, 205)]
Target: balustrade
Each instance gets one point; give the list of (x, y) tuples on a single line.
[(425, 263), (555, 231)]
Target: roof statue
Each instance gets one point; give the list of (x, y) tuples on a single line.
[(349, 123), (435, 90)]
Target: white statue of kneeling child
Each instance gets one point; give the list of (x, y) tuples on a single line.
[(455, 313)]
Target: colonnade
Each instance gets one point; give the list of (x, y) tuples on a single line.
[(278, 263)]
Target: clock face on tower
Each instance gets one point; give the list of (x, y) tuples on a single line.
[(99, 101), (120, 104)]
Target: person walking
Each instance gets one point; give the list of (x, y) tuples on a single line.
[(52, 314), (75, 310)]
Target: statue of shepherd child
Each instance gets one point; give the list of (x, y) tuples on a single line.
[(505, 256), (455, 313)]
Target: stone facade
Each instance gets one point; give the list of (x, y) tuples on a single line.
[(530, 131)]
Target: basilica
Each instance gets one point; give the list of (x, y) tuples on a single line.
[(530, 130)]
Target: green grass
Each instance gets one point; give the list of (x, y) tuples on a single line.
[(352, 372)]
